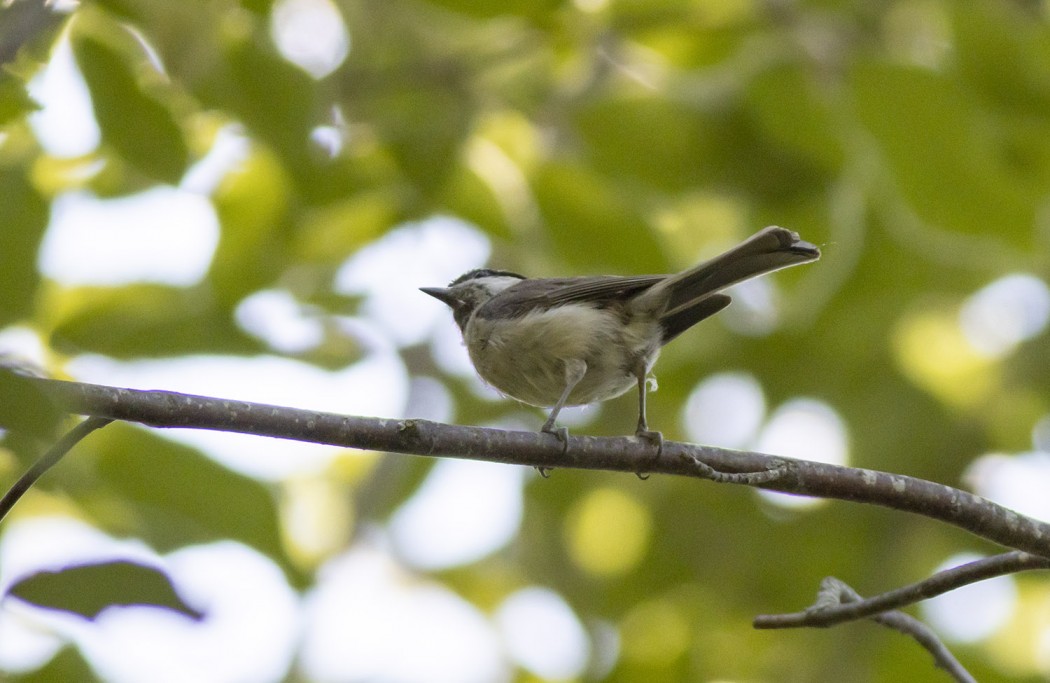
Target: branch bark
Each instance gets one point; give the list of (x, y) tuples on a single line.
[(836, 601), (825, 612), (836, 596), (165, 409)]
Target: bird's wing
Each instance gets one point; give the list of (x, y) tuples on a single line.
[(601, 288), (542, 294)]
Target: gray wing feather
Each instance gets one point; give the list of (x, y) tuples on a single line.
[(544, 293)]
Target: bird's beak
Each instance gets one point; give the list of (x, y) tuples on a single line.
[(443, 294)]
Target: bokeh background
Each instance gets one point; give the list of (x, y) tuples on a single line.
[(240, 199)]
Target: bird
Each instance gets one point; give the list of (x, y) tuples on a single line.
[(557, 342)]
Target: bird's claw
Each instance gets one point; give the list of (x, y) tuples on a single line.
[(562, 434), (655, 438)]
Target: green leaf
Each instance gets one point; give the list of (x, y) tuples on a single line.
[(15, 102), (471, 197), (946, 159), (424, 121), (656, 140), (485, 9), (172, 496), (253, 205), (788, 107), (23, 217), (89, 589), (133, 122), (330, 234), (275, 100), (145, 320), (24, 407), (594, 225), (67, 665), (258, 6), (1005, 52)]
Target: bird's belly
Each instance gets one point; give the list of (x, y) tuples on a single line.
[(527, 359)]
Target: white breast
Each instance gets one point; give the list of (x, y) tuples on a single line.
[(525, 358)]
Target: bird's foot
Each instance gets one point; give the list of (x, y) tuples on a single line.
[(562, 434), (655, 438)]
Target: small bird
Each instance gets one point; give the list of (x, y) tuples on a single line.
[(556, 342)]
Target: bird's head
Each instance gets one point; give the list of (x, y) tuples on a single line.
[(472, 289)]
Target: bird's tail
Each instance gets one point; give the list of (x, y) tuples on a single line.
[(684, 294), (769, 249)]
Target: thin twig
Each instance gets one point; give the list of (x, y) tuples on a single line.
[(835, 593), (48, 460), (839, 611), (924, 635), (763, 477)]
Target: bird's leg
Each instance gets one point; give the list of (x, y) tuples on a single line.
[(643, 431), (575, 369)]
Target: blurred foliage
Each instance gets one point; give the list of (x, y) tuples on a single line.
[(87, 590), (127, 495), (25, 408), (911, 140), (23, 213)]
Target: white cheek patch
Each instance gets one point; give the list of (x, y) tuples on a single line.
[(494, 284)]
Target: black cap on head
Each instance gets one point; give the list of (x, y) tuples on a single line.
[(483, 272)]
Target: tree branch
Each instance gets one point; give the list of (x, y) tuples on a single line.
[(49, 460), (924, 636), (625, 454), (837, 597), (836, 601), (828, 613)]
